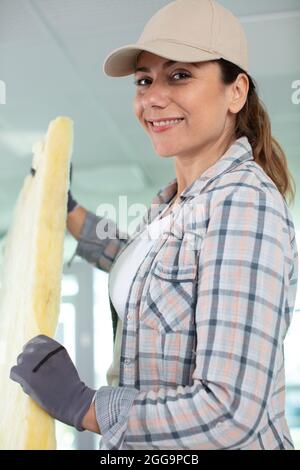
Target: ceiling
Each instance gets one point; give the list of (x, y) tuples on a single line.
[(51, 56)]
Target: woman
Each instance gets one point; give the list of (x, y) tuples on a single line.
[(200, 313)]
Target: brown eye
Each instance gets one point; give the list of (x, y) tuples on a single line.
[(182, 73), (138, 82)]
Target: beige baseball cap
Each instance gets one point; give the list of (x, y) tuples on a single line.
[(185, 31)]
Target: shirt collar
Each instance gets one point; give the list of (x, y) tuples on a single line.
[(240, 151)]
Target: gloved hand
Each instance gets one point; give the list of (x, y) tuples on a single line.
[(72, 203), (48, 375)]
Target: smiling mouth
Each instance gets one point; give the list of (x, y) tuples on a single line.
[(162, 128)]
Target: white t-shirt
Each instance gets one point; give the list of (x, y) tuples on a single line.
[(123, 271)]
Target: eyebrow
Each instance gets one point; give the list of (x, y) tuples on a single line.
[(165, 65)]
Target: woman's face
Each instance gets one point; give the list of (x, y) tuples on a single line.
[(183, 90)]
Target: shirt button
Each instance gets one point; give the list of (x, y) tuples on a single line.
[(127, 361), (129, 317)]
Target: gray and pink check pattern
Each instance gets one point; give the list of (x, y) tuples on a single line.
[(202, 358)]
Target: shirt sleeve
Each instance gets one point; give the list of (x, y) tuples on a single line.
[(240, 323), (100, 252)]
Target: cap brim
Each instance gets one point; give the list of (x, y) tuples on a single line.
[(121, 62)]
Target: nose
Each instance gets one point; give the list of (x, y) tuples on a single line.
[(155, 94)]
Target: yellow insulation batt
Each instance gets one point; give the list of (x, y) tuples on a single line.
[(31, 281)]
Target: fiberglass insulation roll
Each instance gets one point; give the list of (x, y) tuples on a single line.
[(31, 280)]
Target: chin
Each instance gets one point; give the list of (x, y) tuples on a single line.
[(164, 155), (161, 152)]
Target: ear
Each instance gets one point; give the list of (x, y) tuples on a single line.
[(239, 93)]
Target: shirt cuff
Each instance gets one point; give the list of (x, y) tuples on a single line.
[(89, 243), (112, 406)]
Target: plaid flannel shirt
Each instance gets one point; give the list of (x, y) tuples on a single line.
[(201, 347)]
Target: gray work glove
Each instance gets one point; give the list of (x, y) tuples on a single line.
[(72, 203), (48, 375)]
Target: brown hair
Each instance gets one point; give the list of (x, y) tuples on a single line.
[(253, 122)]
